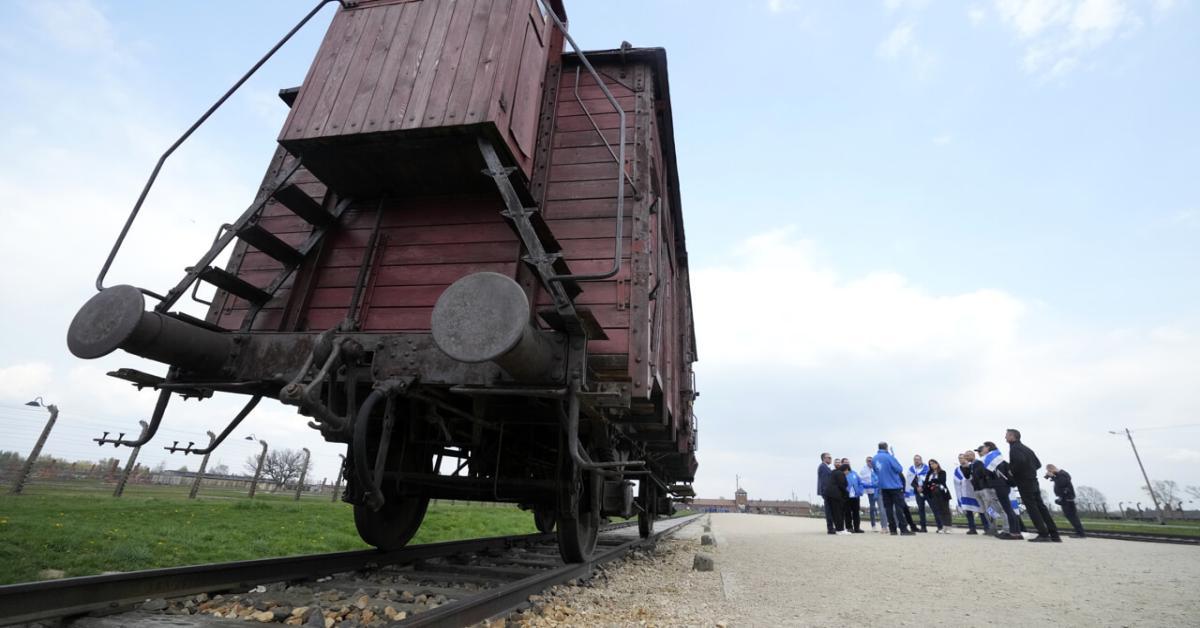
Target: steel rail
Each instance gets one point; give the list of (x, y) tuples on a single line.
[(33, 601), (493, 602), (1141, 537), (68, 597)]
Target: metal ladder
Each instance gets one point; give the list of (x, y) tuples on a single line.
[(248, 229)]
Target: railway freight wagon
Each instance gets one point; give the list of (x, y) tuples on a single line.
[(466, 262)]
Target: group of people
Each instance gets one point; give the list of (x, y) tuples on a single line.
[(983, 485)]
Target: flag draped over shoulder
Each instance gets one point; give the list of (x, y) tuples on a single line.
[(967, 501)]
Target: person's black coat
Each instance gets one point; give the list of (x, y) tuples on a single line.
[(1023, 463), (836, 489), (979, 475), (822, 478), (935, 485), (1063, 488)]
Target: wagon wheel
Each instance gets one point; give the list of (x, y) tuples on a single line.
[(648, 500), (578, 510), (544, 518), (394, 524)]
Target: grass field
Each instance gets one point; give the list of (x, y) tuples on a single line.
[(83, 531)]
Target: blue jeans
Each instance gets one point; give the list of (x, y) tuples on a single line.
[(921, 501), (883, 513), (871, 508)]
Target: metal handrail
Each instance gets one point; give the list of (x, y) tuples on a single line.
[(112, 255), (619, 156)]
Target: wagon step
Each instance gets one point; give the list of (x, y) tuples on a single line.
[(235, 285), (303, 205), (268, 243)]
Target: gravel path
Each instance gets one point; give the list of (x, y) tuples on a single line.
[(774, 571), (780, 570)]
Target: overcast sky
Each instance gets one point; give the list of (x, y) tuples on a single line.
[(919, 221)]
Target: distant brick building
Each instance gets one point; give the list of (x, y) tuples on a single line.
[(742, 503)]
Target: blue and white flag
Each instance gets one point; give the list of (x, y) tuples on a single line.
[(992, 460), (967, 500), (914, 472)]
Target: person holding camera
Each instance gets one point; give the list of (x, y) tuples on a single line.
[(1064, 493)]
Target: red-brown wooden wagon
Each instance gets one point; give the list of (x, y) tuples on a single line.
[(466, 261)]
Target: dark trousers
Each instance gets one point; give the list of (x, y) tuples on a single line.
[(1031, 496), (941, 511), (971, 521), (853, 514), (828, 516), (921, 501), (1014, 522), (893, 503), (836, 509), (1072, 515)]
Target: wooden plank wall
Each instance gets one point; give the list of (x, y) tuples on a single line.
[(388, 67)]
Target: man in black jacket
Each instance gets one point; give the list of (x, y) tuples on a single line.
[(1064, 491), (1023, 466), (823, 472)]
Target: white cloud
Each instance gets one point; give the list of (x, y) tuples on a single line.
[(22, 382), (825, 361), (1184, 455), (1057, 35), (896, 5), (901, 44), (976, 14), (830, 318), (781, 6)]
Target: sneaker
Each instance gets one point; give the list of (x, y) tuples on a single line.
[(1017, 536), (857, 531), (1040, 539), (1003, 536), (972, 532), (1056, 539), (845, 533), (893, 533), (907, 533), (831, 532)]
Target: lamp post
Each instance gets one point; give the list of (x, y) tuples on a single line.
[(337, 485), (258, 471), (1149, 487), (303, 471), (23, 476)]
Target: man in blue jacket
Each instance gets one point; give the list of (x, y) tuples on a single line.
[(823, 472), (889, 477)]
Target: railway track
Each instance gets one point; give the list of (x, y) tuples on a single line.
[(438, 584), (1142, 537)]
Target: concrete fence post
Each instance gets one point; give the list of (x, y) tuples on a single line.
[(130, 464), (212, 438), (337, 485), (27, 468), (303, 471), (258, 470)]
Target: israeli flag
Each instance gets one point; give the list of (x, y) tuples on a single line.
[(992, 460), (914, 472), (967, 501)]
